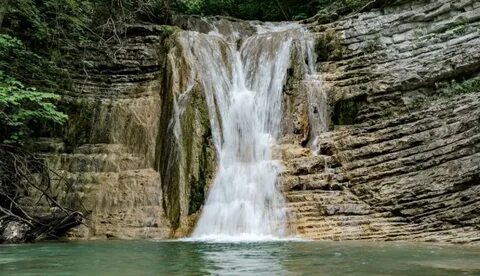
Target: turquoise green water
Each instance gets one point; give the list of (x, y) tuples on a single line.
[(271, 258)]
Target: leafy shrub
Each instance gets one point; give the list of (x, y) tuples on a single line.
[(48, 23), (22, 63), (22, 107), (372, 45)]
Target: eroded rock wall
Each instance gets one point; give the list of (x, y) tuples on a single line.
[(122, 164), (186, 155), (400, 161)]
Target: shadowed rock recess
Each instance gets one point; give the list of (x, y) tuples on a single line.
[(399, 159)]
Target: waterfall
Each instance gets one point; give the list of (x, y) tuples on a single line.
[(243, 80)]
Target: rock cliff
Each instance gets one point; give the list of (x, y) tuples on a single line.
[(398, 160), (120, 155)]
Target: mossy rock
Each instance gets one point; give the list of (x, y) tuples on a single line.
[(463, 87), (329, 46), (345, 111)]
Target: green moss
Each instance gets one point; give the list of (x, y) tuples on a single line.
[(461, 30), (201, 154), (464, 87), (418, 34), (170, 30), (186, 166), (79, 127), (329, 46), (198, 187), (459, 27), (322, 50), (372, 45)]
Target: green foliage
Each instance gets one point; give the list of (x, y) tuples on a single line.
[(465, 87), (330, 10), (169, 30), (7, 43), (48, 23), (269, 10), (193, 6), (22, 63), (37, 37), (300, 16), (21, 107), (354, 4), (115, 13)]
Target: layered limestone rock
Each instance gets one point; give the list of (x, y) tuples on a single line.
[(400, 161), (118, 160), (394, 156), (104, 163)]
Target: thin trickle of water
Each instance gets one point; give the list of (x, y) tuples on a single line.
[(316, 96), (243, 82)]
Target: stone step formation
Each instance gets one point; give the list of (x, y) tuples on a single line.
[(321, 205), (118, 192), (376, 181)]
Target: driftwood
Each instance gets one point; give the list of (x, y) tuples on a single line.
[(54, 226), (25, 175)]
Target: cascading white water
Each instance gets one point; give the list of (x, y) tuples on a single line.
[(243, 82)]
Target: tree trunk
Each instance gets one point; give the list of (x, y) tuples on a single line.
[(3, 10)]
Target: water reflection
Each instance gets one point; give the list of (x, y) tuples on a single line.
[(243, 259), (118, 258)]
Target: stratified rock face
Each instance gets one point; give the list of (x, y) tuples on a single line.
[(119, 161), (104, 164), (401, 159)]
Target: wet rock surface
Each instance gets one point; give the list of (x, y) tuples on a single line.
[(408, 156), (400, 160), (118, 155)]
